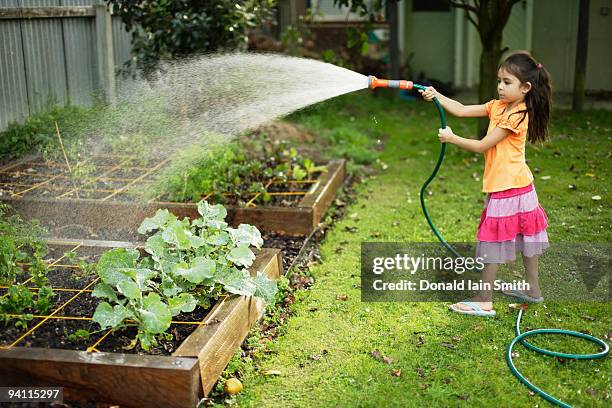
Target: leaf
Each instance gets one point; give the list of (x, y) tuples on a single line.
[(104, 290), (378, 356), (160, 219), (298, 173), (156, 315), (176, 234), (156, 246), (200, 269), (112, 262), (220, 225), (272, 372), (107, 316), (246, 234), (211, 212), (196, 241), (218, 239), (241, 256), (147, 340), (236, 281), (129, 289), (265, 288), (168, 287), (184, 302), (142, 276)]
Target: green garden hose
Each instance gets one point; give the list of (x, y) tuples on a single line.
[(520, 337)]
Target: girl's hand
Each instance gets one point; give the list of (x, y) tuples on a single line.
[(446, 135), (429, 93)]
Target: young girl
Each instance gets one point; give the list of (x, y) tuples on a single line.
[(512, 220)]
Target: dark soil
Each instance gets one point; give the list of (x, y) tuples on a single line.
[(290, 246)]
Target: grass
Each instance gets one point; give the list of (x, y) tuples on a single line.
[(324, 355)]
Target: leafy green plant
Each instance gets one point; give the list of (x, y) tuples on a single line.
[(237, 170), (21, 258), (38, 132), (190, 264), (164, 29), (79, 335)]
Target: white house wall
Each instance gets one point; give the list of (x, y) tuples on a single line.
[(547, 28)]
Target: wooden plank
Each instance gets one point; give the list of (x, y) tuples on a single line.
[(86, 243), (127, 379), (292, 221), (215, 343), (126, 216), (320, 198), (46, 12)]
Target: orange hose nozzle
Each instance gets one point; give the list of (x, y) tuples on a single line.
[(374, 82)]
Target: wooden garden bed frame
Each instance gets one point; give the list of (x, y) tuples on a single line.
[(135, 380), (127, 216)]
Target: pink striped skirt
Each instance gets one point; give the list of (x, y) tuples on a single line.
[(512, 221)]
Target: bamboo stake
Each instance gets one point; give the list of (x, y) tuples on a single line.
[(59, 137)]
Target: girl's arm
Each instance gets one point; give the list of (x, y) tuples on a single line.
[(492, 138), (452, 106)]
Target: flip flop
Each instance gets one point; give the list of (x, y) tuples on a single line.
[(476, 310), (522, 296)]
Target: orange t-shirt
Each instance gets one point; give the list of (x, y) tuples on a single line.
[(505, 165)]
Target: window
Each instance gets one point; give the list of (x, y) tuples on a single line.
[(430, 5), (325, 10)]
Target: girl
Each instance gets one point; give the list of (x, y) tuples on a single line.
[(512, 220)]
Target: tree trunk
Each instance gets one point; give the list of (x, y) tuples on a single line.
[(581, 56), (487, 89), (392, 15)]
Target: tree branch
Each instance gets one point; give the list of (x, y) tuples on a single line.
[(463, 5)]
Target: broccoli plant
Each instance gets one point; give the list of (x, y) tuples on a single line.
[(190, 263)]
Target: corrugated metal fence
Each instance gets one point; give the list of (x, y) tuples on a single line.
[(56, 52)]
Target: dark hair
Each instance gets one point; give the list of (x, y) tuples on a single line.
[(538, 99)]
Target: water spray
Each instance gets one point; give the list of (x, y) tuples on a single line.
[(374, 83)]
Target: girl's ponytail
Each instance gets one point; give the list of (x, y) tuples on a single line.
[(539, 98)]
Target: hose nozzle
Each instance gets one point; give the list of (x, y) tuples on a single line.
[(374, 82)]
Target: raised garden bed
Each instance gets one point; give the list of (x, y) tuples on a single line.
[(178, 376), (46, 191)]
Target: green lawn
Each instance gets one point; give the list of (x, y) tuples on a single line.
[(324, 355)]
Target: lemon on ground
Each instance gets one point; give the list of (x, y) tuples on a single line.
[(232, 386)]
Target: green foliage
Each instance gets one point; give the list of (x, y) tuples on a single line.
[(191, 263), (38, 132), (78, 336), (21, 245), (239, 170), (163, 29)]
